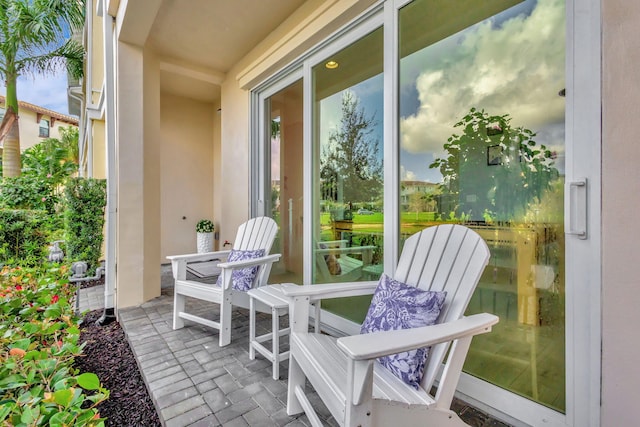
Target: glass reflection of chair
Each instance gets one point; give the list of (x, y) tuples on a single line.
[(335, 262)]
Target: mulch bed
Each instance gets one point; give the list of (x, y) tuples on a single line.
[(108, 355)]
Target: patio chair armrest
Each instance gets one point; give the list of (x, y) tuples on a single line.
[(236, 265), (205, 256), (179, 262), (378, 344), (329, 290), (228, 267)]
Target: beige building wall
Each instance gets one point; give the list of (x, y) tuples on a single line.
[(620, 202), (99, 153), (234, 193), (187, 152), (30, 134), (30, 127), (138, 173), (97, 52), (217, 174)]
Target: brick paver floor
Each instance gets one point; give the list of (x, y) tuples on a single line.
[(194, 382)]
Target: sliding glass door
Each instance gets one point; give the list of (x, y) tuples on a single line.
[(424, 112), (282, 188), (348, 211), (482, 143)]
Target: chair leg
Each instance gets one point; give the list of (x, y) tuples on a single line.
[(316, 320), (178, 306), (296, 380), (252, 328), (225, 320)]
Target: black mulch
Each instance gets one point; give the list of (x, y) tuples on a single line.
[(108, 355)]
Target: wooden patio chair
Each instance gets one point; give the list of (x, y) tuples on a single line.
[(244, 267), (356, 388)]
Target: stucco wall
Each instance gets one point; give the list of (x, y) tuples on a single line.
[(234, 149), (217, 172), (138, 174), (30, 128), (187, 152), (99, 153), (620, 200), (97, 57)]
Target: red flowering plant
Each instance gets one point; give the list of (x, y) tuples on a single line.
[(39, 337)]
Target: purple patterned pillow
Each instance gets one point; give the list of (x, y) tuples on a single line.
[(242, 279), (394, 306)]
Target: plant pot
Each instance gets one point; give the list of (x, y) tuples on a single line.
[(204, 242)]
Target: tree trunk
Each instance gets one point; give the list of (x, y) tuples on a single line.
[(11, 165)]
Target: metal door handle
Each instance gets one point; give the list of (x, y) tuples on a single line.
[(576, 201)]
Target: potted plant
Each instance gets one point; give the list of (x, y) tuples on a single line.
[(204, 235)]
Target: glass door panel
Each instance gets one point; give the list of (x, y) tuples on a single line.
[(347, 160), (482, 143), (284, 115)]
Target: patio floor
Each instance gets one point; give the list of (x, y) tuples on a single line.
[(194, 382)]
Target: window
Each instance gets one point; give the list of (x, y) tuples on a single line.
[(482, 123), (348, 169), (44, 129)]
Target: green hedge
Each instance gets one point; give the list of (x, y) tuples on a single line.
[(23, 237), (27, 192), (39, 341), (85, 200)]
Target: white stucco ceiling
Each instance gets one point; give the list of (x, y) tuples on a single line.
[(210, 36)]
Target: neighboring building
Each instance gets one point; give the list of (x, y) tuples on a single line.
[(411, 189), (38, 123), (175, 119)]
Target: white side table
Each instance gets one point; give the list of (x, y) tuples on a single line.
[(272, 297)]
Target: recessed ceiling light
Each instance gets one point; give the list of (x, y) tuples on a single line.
[(331, 65)]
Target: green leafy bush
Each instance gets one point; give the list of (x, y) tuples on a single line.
[(28, 192), (52, 159), (39, 337), (85, 200), (23, 238)]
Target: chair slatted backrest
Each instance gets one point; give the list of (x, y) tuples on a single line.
[(448, 258), (256, 233)]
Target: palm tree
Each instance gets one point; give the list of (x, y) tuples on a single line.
[(32, 41)]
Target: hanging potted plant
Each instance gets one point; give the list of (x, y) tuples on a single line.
[(204, 236)]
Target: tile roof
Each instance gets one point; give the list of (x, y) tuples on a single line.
[(44, 111)]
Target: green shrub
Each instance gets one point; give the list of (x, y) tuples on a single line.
[(39, 337), (28, 192), (84, 200), (23, 238)]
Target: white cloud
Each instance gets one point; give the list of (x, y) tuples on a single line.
[(45, 91), (516, 68), (407, 175)]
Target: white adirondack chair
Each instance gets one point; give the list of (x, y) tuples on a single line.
[(358, 390), (257, 233)]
